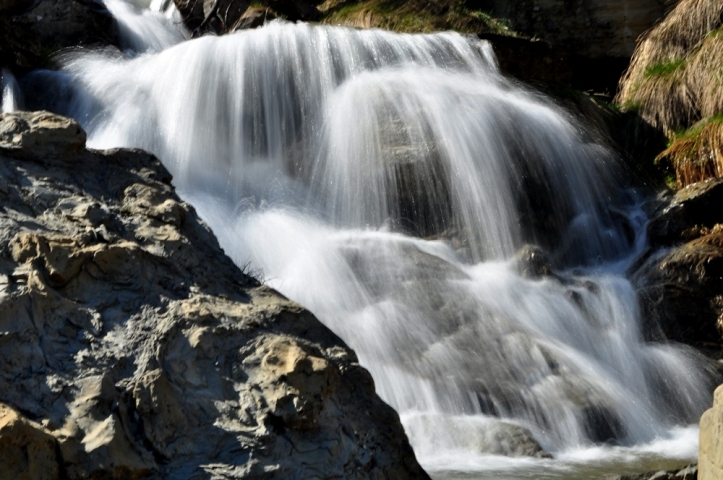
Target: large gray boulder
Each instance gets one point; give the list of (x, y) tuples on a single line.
[(132, 347)]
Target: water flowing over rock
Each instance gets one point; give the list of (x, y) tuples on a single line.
[(323, 155), (10, 94), (134, 348)]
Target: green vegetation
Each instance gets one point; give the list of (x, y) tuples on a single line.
[(664, 69), (696, 154), (694, 131), (415, 16)]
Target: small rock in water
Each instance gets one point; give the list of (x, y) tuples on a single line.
[(533, 262)]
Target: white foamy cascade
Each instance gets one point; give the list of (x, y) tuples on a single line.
[(12, 97), (142, 29), (315, 151)]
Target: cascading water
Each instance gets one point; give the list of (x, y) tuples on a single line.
[(11, 98), (386, 181), (142, 29)]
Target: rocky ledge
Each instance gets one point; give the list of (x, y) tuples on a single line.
[(681, 280), (132, 347)]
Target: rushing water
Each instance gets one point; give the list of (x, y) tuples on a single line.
[(386, 182), (11, 98)]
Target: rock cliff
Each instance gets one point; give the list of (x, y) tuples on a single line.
[(132, 347)]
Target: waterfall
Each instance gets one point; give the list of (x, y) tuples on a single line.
[(386, 182), (12, 97), (143, 30)]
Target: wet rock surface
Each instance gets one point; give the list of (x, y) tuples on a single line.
[(681, 288), (462, 344), (132, 347), (223, 16), (689, 472), (682, 292), (32, 32), (691, 208)]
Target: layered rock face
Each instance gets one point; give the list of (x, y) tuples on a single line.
[(132, 347)]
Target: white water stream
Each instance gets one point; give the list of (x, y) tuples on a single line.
[(11, 98), (325, 155)]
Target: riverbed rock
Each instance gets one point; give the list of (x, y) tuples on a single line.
[(681, 287), (254, 17), (482, 435), (533, 262), (710, 450), (32, 32), (681, 291), (690, 209), (688, 472), (135, 348), (224, 16), (461, 343)]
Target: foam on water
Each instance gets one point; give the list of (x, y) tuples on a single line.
[(678, 447), (386, 181), (12, 97), (143, 29)]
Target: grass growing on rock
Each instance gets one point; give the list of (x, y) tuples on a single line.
[(696, 154), (415, 16), (664, 69), (675, 83), (675, 77)]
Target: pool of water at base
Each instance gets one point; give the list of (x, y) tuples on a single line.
[(596, 463)]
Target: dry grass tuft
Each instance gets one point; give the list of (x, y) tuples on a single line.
[(697, 154), (706, 74), (670, 81)]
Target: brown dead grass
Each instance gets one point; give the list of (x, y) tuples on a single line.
[(706, 74), (671, 80), (696, 156)]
